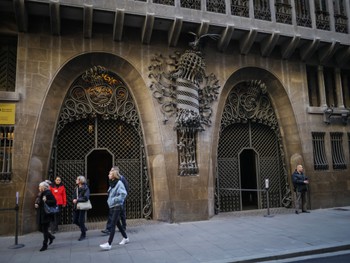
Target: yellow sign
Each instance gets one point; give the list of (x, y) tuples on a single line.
[(7, 113)]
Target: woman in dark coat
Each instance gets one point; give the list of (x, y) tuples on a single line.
[(82, 194), (43, 219)]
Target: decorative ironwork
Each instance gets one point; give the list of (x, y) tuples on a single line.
[(217, 6), (322, 19), (302, 10), (338, 157), (240, 8), (283, 13), (164, 2), (340, 16), (319, 151), (6, 148), (183, 89), (341, 23), (8, 58), (249, 117), (99, 113), (262, 10), (192, 4)]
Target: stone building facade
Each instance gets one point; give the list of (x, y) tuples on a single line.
[(198, 122)]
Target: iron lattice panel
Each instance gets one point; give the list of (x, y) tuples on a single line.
[(228, 144), (269, 161), (229, 199), (69, 170), (75, 140), (131, 170), (121, 138)]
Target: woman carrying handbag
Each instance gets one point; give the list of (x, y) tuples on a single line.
[(82, 195), (44, 219)]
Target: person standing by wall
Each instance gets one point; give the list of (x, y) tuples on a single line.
[(116, 196), (59, 192), (44, 219), (300, 183), (82, 194)]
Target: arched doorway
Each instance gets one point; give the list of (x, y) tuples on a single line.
[(98, 127), (98, 165), (249, 151), (249, 178)]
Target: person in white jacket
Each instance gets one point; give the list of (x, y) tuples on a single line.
[(116, 196)]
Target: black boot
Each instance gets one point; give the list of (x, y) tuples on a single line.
[(82, 237), (43, 248), (51, 238)]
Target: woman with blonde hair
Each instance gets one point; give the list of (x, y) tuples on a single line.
[(44, 219), (82, 194), (115, 201)]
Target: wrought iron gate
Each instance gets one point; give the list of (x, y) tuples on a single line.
[(99, 114), (249, 122)]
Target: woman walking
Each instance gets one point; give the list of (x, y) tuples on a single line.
[(44, 219), (115, 201), (82, 195), (59, 192)]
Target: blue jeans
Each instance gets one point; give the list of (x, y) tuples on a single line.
[(115, 220)]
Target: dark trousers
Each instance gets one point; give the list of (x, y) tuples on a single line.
[(115, 220), (56, 220), (46, 233), (79, 220), (122, 219)]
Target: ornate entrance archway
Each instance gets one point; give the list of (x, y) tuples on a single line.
[(99, 119), (249, 122)]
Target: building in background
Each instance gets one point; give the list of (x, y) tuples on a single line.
[(201, 103)]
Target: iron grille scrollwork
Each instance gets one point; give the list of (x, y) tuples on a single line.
[(8, 59), (262, 10), (6, 149), (192, 4), (217, 6), (283, 13), (164, 2), (302, 10), (240, 8)]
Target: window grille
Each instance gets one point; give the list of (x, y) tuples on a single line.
[(319, 151), (6, 137), (322, 15), (338, 158), (217, 6), (240, 8), (283, 12), (192, 4), (164, 2), (340, 16), (8, 58), (302, 10), (262, 10)]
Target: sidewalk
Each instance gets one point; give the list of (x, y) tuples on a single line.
[(227, 237)]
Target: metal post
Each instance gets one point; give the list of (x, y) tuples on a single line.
[(16, 245), (267, 198)]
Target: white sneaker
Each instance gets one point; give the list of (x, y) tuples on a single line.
[(124, 241), (105, 246)]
